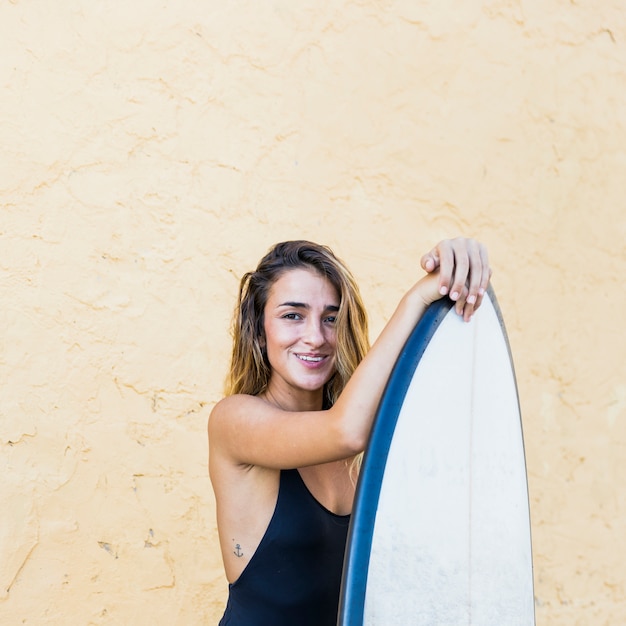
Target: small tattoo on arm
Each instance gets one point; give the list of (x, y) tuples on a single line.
[(237, 551)]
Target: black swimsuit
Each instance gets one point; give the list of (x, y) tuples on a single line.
[(293, 578)]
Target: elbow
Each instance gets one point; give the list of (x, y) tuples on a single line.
[(353, 439), (352, 426)]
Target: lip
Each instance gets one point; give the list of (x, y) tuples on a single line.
[(312, 361)]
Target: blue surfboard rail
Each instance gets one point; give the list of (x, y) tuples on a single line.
[(358, 547)]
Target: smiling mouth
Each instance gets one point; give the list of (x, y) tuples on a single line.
[(310, 359)]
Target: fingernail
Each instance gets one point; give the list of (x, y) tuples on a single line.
[(454, 295), (443, 290), (481, 291), (471, 299)]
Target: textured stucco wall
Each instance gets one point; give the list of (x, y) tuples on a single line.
[(152, 151)]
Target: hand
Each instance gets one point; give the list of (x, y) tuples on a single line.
[(464, 272)]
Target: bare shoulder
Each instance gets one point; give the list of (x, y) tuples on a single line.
[(232, 422), (235, 403), (232, 408)]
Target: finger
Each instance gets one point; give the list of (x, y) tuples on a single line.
[(461, 302), (446, 265), (468, 312), (485, 275), (463, 308), (460, 268), (475, 270), (430, 261)]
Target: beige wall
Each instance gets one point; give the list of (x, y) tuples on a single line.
[(152, 151)]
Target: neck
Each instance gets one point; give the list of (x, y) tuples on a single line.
[(289, 401)]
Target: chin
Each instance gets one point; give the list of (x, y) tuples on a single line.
[(318, 385)]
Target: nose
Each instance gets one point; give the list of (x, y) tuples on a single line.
[(314, 333)]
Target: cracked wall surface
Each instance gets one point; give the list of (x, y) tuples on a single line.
[(152, 152)]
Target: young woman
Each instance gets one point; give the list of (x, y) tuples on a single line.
[(302, 393)]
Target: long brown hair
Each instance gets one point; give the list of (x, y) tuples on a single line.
[(250, 370)]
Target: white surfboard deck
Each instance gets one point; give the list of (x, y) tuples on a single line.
[(440, 531)]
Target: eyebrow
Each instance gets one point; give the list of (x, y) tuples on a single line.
[(303, 305)]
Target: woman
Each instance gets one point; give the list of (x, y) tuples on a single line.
[(302, 394)]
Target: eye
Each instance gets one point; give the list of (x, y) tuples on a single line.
[(291, 316), (331, 319)]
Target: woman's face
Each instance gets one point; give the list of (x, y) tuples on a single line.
[(300, 334)]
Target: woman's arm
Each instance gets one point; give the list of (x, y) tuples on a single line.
[(248, 430)]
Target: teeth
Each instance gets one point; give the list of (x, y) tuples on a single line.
[(314, 359)]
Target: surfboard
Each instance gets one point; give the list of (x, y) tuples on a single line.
[(440, 530)]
